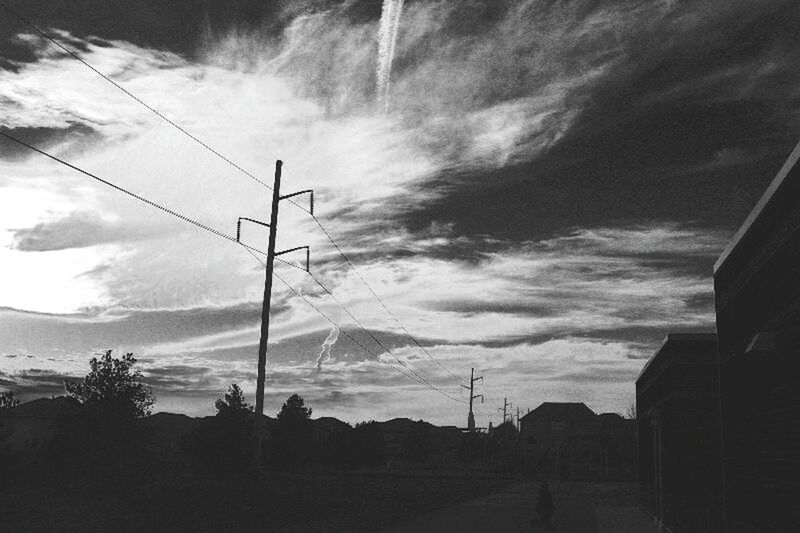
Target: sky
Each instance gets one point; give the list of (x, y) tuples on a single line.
[(535, 189)]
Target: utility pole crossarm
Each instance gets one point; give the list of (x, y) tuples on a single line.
[(309, 191), (239, 226), (308, 254)]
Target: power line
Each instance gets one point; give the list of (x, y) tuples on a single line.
[(123, 89), (380, 301), (218, 233), (406, 366), (137, 196), (367, 331), (412, 375), (234, 165)]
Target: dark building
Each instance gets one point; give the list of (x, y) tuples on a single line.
[(678, 423), (560, 438), (327, 430), (757, 290), (31, 426)]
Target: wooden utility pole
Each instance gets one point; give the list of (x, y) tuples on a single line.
[(506, 406), (265, 306), (471, 416), (517, 417), (262, 343)]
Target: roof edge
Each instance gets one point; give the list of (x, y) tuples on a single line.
[(676, 337), (760, 206)]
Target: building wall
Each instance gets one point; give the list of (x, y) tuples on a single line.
[(563, 446), (758, 296), (678, 431)]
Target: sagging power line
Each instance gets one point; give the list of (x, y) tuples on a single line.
[(229, 161), (416, 377)]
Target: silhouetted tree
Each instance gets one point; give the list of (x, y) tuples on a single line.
[(233, 402), (112, 389), (224, 443), (103, 436), (7, 400), (292, 444), (294, 410)]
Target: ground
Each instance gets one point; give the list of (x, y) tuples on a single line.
[(312, 502), (581, 507), (308, 502)]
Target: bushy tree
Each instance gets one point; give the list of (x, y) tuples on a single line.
[(224, 444), (112, 389), (294, 410), (7, 400), (233, 403), (292, 444), (102, 439)]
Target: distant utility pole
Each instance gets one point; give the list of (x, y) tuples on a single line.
[(506, 405), (471, 417), (518, 417), (262, 344)]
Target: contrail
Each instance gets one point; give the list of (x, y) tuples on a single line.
[(387, 39), (330, 340)]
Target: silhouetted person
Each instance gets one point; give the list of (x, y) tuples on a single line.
[(544, 506)]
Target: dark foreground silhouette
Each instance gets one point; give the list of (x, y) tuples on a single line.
[(96, 460)]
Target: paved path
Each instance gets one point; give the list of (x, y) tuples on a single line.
[(623, 520), (512, 510)]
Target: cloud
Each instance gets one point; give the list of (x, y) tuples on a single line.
[(76, 230), (550, 178)]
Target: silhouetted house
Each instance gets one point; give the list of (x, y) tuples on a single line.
[(757, 290), (165, 431), (677, 407), (395, 434), (560, 438), (326, 430), (32, 425)]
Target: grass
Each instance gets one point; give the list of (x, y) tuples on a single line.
[(307, 502)]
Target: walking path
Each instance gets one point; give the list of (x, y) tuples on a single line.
[(512, 510)]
